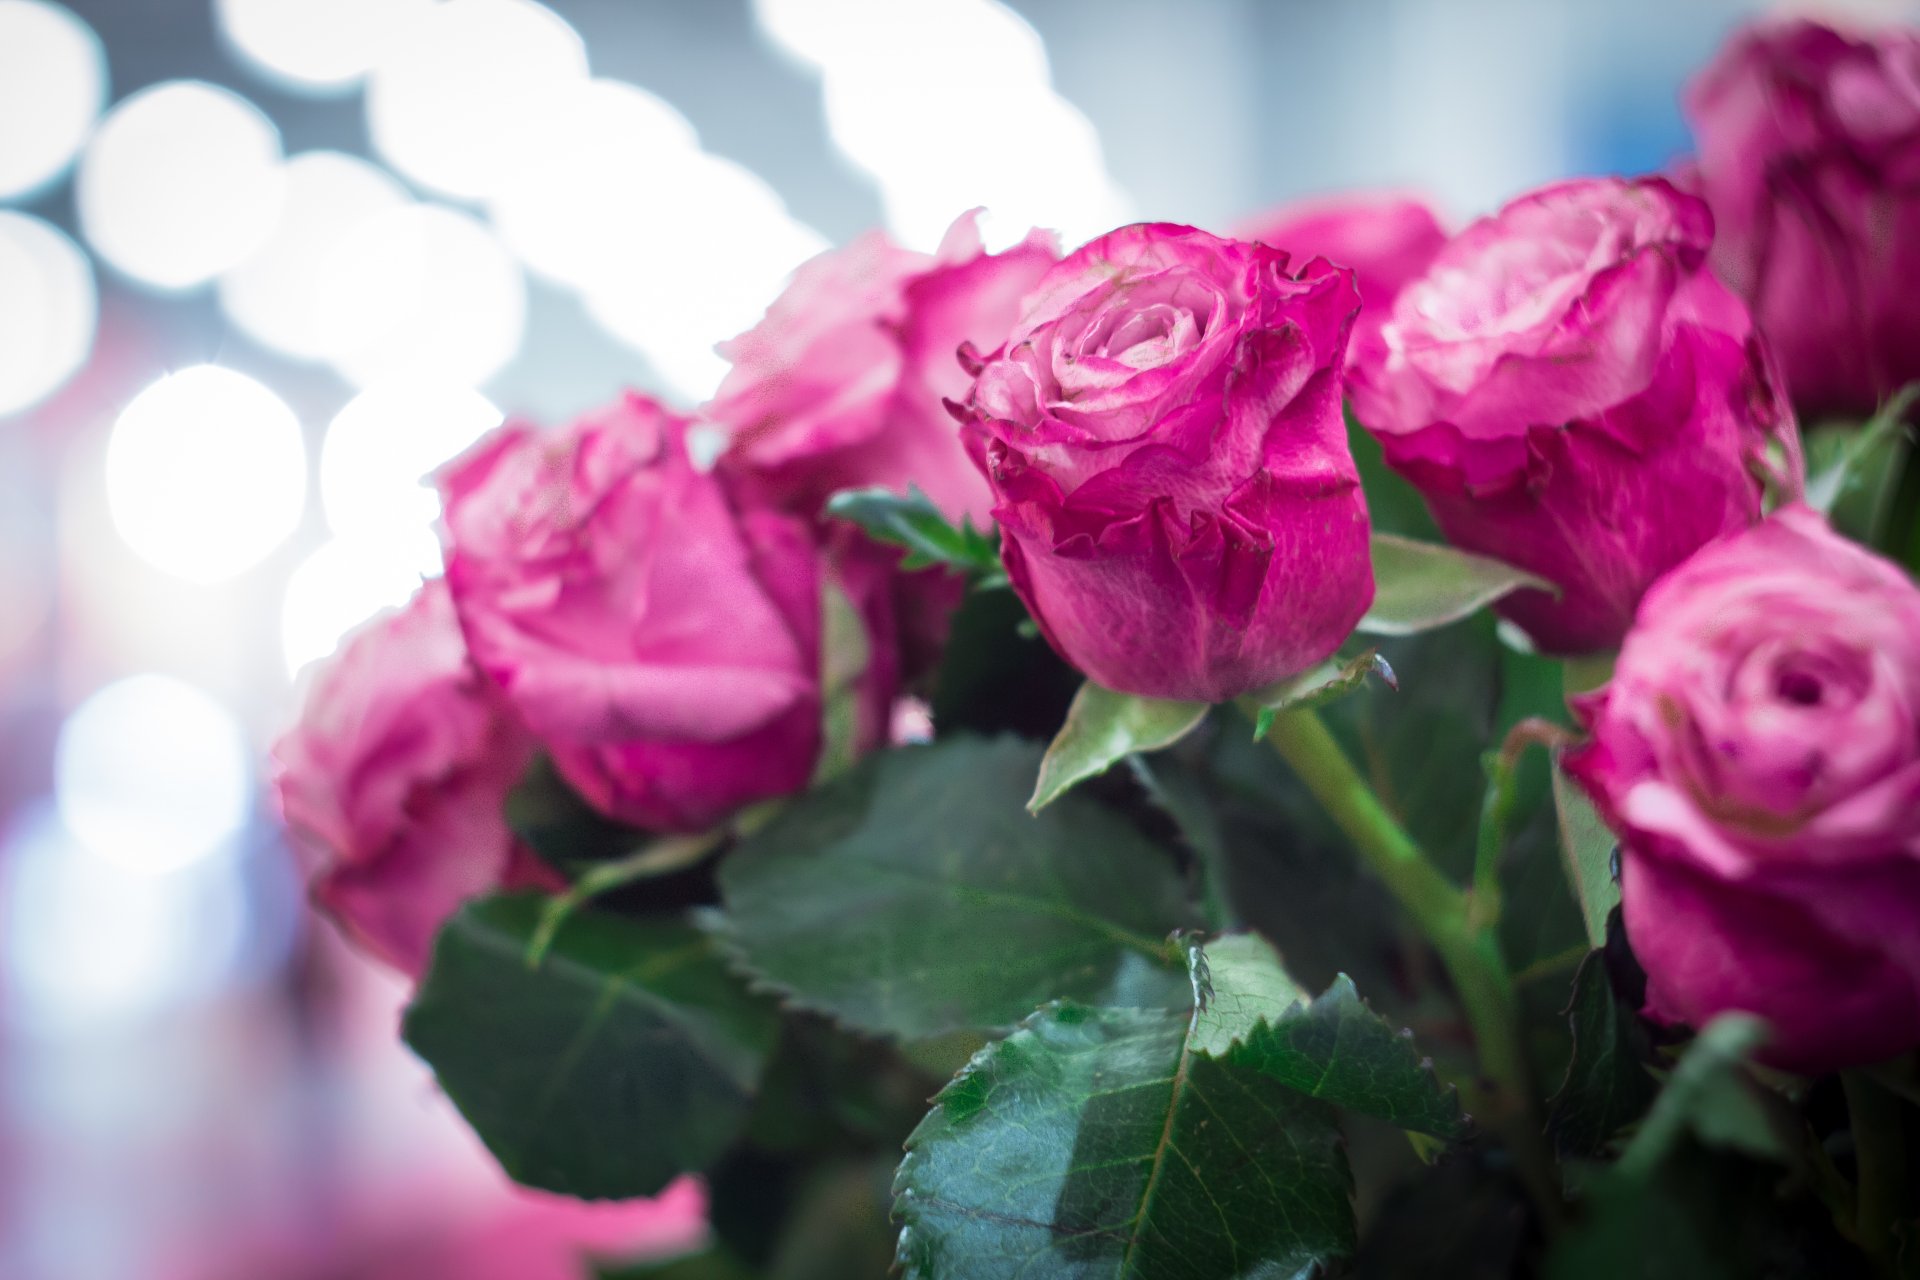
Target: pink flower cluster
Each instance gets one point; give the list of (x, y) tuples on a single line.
[(1583, 383)]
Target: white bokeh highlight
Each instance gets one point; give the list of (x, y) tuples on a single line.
[(152, 774), (346, 581), (205, 473), (179, 183), (273, 296), (91, 951), (53, 82), (701, 266), (421, 291), (587, 162), (971, 119), (380, 449), (319, 46), (456, 82), (48, 311)]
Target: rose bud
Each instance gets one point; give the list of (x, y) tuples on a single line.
[(660, 637), (1386, 239), (1169, 464), (1573, 392), (842, 385), (1758, 752), (395, 779), (1809, 153)]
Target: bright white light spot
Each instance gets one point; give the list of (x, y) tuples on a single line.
[(273, 294), (317, 44), (180, 182), (699, 268), (455, 83), (380, 448), (979, 72), (206, 473), (53, 80), (47, 310), (152, 774), (421, 292), (586, 163), (92, 950), (818, 31), (344, 583)]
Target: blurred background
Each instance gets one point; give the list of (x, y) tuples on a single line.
[(264, 263)]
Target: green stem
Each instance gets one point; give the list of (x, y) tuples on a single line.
[(667, 854), (1471, 957), (1879, 1145)]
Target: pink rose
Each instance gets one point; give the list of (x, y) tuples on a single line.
[(1164, 440), (841, 386), (1758, 750), (660, 637), (1386, 239), (1573, 392), (395, 779), (1809, 152)]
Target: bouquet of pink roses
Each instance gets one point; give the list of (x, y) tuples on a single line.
[(1349, 750)]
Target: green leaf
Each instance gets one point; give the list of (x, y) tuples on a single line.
[(628, 1057), (561, 827), (1587, 846), (911, 520), (1860, 456), (1418, 586), (1711, 1095), (915, 895), (1095, 1142), (1606, 1087), (1335, 678), (1103, 728), (1251, 1014)]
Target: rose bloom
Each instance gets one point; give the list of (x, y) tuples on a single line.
[(841, 385), (1169, 464), (1809, 152), (1758, 751), (659, 636), (1572, 392), (1386, 239), (395, 780)]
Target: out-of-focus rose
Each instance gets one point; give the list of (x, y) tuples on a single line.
[(1809, 152), (1758, 750), (660, 637), (1386, 239), (1164, 440), (842, 385), (1573, 392), (395, 778)]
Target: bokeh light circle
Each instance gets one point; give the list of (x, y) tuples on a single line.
[(274, 295), (180, 182), (580, 169), (53, 81), (345, 582), (206, 473), (446, 92), (380, 448), (48, 310), (421, 292), (317, 45), (152, 774)]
